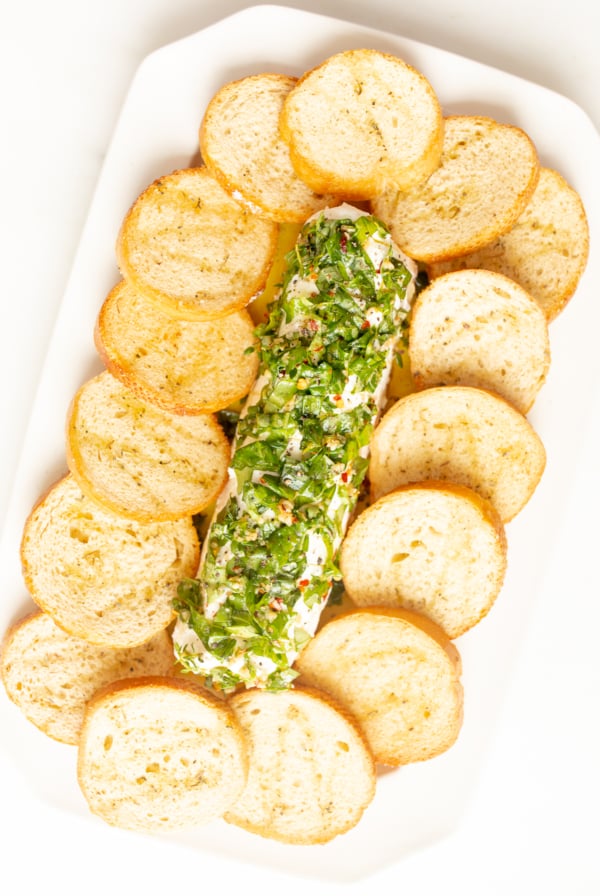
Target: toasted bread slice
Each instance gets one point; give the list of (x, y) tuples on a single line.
[(546, 251), (185, 367), (487, 175), (242, 147), (189, 246), (397, 674), (50, 675), (360, 122), (139, 460), (310, 773), (159, 754), (478, 328), (458, 434), (434, 547), (102, 577)]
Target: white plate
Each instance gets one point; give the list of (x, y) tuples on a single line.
[(156, 133)]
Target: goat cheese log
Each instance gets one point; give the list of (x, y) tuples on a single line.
[(300, 454)]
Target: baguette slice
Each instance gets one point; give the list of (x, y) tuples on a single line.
[(361, 121), (434, 547), (487, 175), (139, 460), (399, 676), (50, 675), (185, 367), (159, 754), (545, 252), (102, 577), (478, 328), (458, 434), (189, 246), (242, 147), (310, 775)]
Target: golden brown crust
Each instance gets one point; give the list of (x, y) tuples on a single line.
[(287, 807), (81, 565), (431, 628), (546, 250), (241, 146), (195, 269), (184, 367), (153, 682), (344, 114), (174, 792), (361, 680), (108, 463), (462, 206)]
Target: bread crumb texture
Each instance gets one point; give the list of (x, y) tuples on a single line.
[(188, 245), (102, 577), (547, 249), (487, 174), (158, 754), (240, 143), (186, 367), (50, 675), (140, 460), (458, 434), (397, 674), (479, 328), (360, 121), (310, 775)]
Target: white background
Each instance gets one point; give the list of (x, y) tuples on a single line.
[(65, 68)]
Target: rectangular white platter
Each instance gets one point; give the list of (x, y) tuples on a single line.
[(156, 133)]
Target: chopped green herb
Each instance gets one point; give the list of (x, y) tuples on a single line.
[(300, 456)]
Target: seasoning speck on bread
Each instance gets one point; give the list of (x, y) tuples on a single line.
[(397, 673), (186, 367), (139, 460), (361, 121), (102, 577), (310, 774), (50, 675), (487, 174), (159, 754), (189, 246)]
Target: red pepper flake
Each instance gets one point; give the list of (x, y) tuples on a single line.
[(337, 397), (344, 476), (303, 583), (365, 325)]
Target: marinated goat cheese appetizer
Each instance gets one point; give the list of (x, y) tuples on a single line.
[(300, 454)]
